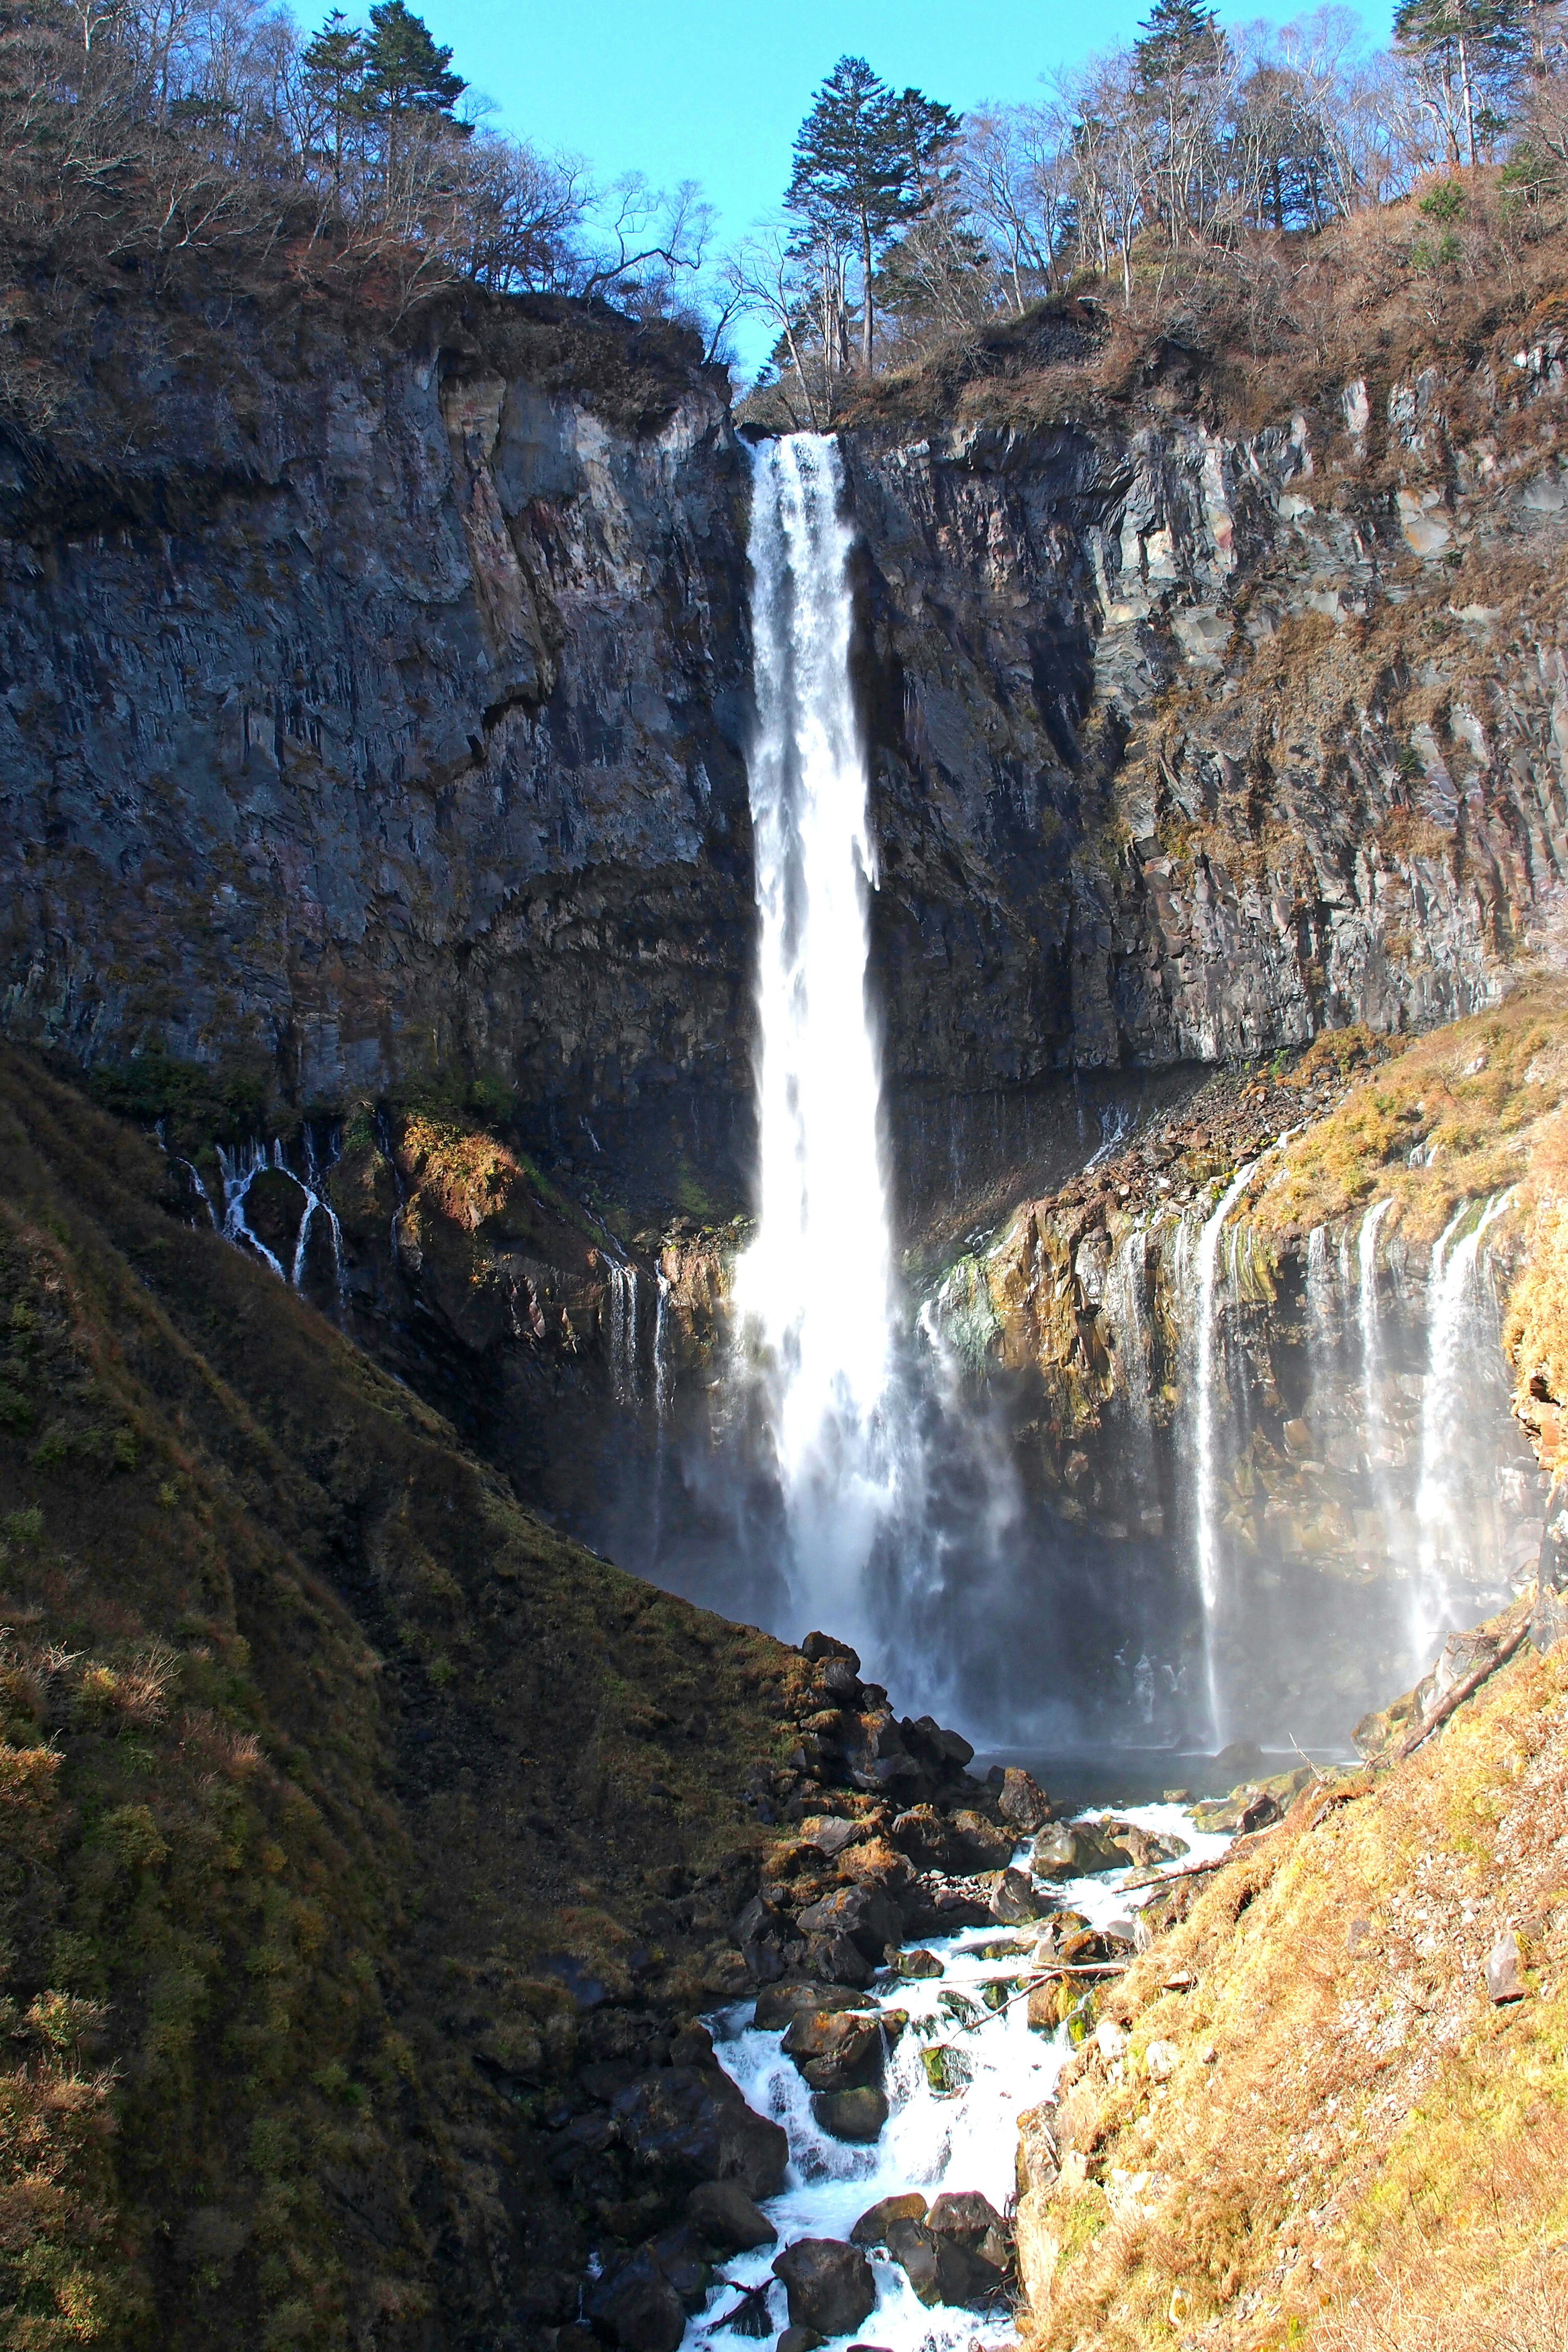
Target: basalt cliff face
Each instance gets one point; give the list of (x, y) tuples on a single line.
[(368, 710)]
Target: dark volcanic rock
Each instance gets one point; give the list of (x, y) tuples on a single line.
[(691, 2122), (830, 2285), (635, 2306), (853, 2115), (721, 2212)]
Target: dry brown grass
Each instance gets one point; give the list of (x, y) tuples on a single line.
[(1354, 2148), (1482, 1097)]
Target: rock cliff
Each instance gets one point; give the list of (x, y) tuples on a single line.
[(372, 709)]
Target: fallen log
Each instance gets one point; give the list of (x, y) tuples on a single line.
[(1463, 1690)]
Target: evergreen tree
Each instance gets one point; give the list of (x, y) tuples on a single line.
[(1469, 51), (407, 72), (1176, 38), (334, 64), (864, 162), (1178, 47)]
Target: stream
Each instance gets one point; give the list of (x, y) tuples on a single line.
[(957, 2139)]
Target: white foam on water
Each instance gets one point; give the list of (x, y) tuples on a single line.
[(933, 2141)]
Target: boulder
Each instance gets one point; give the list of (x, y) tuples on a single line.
[(1505, 1976), (798, 2339), (836, 1960), (829, 1835), (777, 2003), (721, 2213), (923, 1834), (947, 2070), (635, 2306), (817, 1646), (683, 2257), (972, 2220), (856, 2115), (1146, 1847), (871, 2229), (1049, 2003), (1015, 1899), (829, 2285), (836, 2050), (691, 2124), (941, 2267), (866, 1915), (984, 1847), (1076, 1850), (1022, 1803)]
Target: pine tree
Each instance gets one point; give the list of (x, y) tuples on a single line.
[(407, 72), (1176, 38), (1178, 47), (1470, 50), (334, 64), (864, 162)]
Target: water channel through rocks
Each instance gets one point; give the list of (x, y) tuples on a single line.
[(961, 2065)]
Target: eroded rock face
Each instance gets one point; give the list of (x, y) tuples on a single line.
[(416, 740), (1151, 692), (390, 713)]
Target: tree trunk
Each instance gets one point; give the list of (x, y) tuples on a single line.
[(1465, 85), (866, 326)]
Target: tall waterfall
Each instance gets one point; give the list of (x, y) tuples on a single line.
[(814, 1287), (1208, 1377), (1455, 1341)]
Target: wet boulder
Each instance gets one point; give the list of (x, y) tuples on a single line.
[(984, 1845), (1022, 1803), (836, 1960), (1076, 1850), (828, 1835), (866, 1915), (856, 2115), (835, 2049), (828, 2283), (1014, 1898), (778, 2003), (871, 2229), (927, 1840), (1146, 1848), (918, 1964), (723, 2216), (691, 2124), (969, 2219), (635, 2306)]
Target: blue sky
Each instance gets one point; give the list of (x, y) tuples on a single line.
[(693, 90)]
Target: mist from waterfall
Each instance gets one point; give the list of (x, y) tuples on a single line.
[(815, 1285)]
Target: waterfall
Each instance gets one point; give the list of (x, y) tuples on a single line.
[(1368, 1320), (1207, 1373), (815, 1286), (1126, 1309), (1454, 1346), (239, 1169), (625, 1375)]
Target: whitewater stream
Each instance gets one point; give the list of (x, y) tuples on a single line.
[(963, 2139)]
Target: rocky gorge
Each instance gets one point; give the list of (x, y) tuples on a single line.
[(381, 860)]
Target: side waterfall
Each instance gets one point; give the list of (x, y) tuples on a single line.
[(815, 1285), (1206, 1466), (1452, 1338)]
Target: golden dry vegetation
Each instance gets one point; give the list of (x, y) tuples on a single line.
[(320, 1761), (1331, 2137)]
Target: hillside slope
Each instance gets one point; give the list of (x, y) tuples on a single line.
[(340, 1803)]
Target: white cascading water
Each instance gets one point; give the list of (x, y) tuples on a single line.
[(1453, 1342), (1207, 1374), (814, 1287)]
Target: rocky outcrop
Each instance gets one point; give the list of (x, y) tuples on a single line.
[(386, 715), (372, 709), (1160, 770)]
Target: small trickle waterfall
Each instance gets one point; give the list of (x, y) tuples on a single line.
[(1455, 1339), (816, 1284), (1207, 1378)]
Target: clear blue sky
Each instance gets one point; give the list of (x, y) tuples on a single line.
[(690, 90)]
